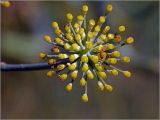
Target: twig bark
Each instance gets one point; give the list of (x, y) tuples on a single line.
[(28, 67)]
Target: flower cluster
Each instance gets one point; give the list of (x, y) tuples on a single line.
[(87, 47)]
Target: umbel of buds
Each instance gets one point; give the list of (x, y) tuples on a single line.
[(87, 47)]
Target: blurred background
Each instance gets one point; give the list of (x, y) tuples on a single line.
[(32, 95)]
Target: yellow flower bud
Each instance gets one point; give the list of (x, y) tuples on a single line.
[(58, 41), (62, 56), (121, 29), (72, 66), (84, 9), (90, 75), (58, 32), (106, 29), (67, 28), (94, 59), (89, 45), (69, 87), (78, 38), (76, 25), (42, 55), (60, 67), (103, 37), (91, 24), (85, 67), (69, 17), (5, 3), (90, 35), (103, 75), (127, 74), (115, 54), (55, 50), (109, 8), (84, 59), (50, 73), (110, 46), (103, 55), (100, 86), (101, 20), (73, 57), (63, 77), (99, 67), (67, 46), (118, 38), (129, 40), (109, 88), (114, 72), (51, 61), (75, 47), (100, 47), (47, 38), (55, 25), (97, 29), (85, 98), (111, 61), (82, 33), (80, 18), (69, 37), (110, 36), (74, 74), (82, 82), (125, 59)]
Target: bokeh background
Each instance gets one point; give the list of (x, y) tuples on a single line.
[(33, 95)]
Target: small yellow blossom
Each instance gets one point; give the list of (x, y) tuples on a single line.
[(51, 61), (69, 87), (109, 8), (106, 29), (85, 67), (84, 9), (55, 25), (85, 98), (114, 72), (125, 59), (42, 55), (90, 75), (84, 59), (74, 74), (102, 75), (63, 77), (129, 40), (115, 54), (72, 66), (111, 61), (60, 67), (50, 73), (82, 82), (69, 17), (127, 73), (109, 88), (121, 29), (100, 86)]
